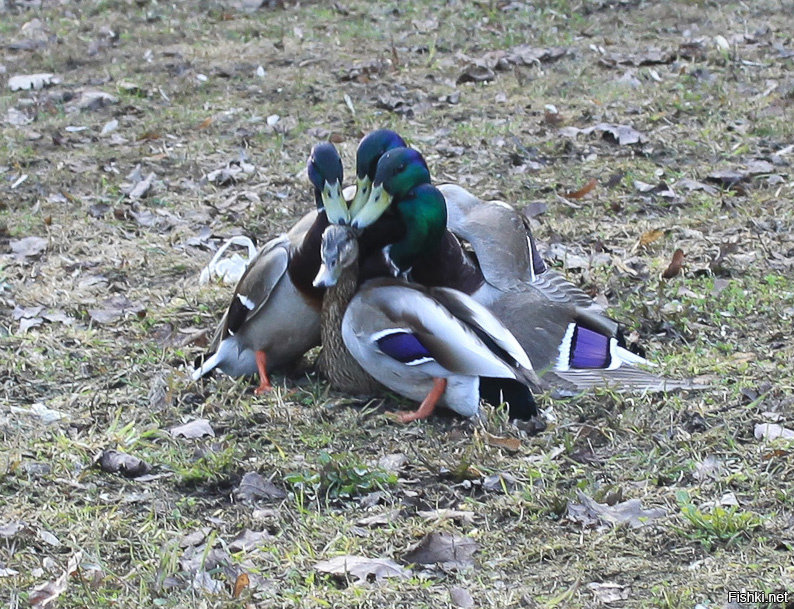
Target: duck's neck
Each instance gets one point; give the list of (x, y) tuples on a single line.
[(449, 266), (305, 261), (335, 362)]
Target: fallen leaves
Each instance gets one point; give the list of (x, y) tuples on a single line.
[(255, 486), (447, 550), (193, 429), (623, 135), (650, 236), (675, 266), (117, 462), (589, 512), (23, 82), (27, 247), (484, 68), (609, 592), (362, 568), (43, 596), (114, 308), (772, 431), (587, 188)]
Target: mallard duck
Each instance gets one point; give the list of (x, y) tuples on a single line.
[(432, 345), (371, 147), (561, 329), (274, 314)]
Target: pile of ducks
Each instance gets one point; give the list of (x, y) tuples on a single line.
[(383, 281)]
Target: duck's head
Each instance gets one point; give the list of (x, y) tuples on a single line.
[(338, 250), (370, 149), (398, 171), (326, 174)]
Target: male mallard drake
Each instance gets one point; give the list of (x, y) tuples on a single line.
[(432, 345), (559, 326), (274, 314), (371, 147)]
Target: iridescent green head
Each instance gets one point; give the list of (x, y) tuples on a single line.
[(371, 148), (398, 172), (424, 212), (326, 174)]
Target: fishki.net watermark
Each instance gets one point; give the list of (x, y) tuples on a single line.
[(761, 598)]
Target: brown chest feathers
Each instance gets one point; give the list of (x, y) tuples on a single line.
[(335, 362)]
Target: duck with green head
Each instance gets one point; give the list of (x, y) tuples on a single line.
[(431, 345), (562, 330), (274, 314)]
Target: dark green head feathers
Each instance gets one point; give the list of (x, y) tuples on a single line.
[(326, 175)]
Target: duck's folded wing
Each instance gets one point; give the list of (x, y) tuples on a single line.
[(257, 284), (419, 331)]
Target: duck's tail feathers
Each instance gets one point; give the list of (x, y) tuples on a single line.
[(624, 379), (517, 396), (209, 364), (227, 349)]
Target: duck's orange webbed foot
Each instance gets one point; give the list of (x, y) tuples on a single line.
[(264, 381)]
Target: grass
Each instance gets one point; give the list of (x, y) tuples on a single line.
[(122, 385)]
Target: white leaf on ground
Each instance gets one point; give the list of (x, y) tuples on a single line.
[(7, 571), (47, 415), (448, 550), (255, 486), (392, 463), (23, 82), (446, 514), (772, 431), (620, 134), (48, 538), (194, 429), (247, 540), (43, 596), (609, 592), (229, 270), (203, 582), (363, 569), (27, 247), (380, 519), (91, 100), (7, 531), (460, 597), (589, 512), (709, 468), (109, 127), (17, 118)]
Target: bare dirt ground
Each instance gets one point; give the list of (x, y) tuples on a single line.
[(669, 123)]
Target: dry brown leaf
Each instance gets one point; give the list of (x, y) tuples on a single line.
[(510, 444), (650, 236), (240, 584), (675, 266), (578, 194)]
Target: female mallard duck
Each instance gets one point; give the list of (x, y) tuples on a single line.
[(561, 329), (274, 314), (433, 345)]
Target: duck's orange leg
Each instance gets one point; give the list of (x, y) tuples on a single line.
[(428, 405), (264, 381)]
